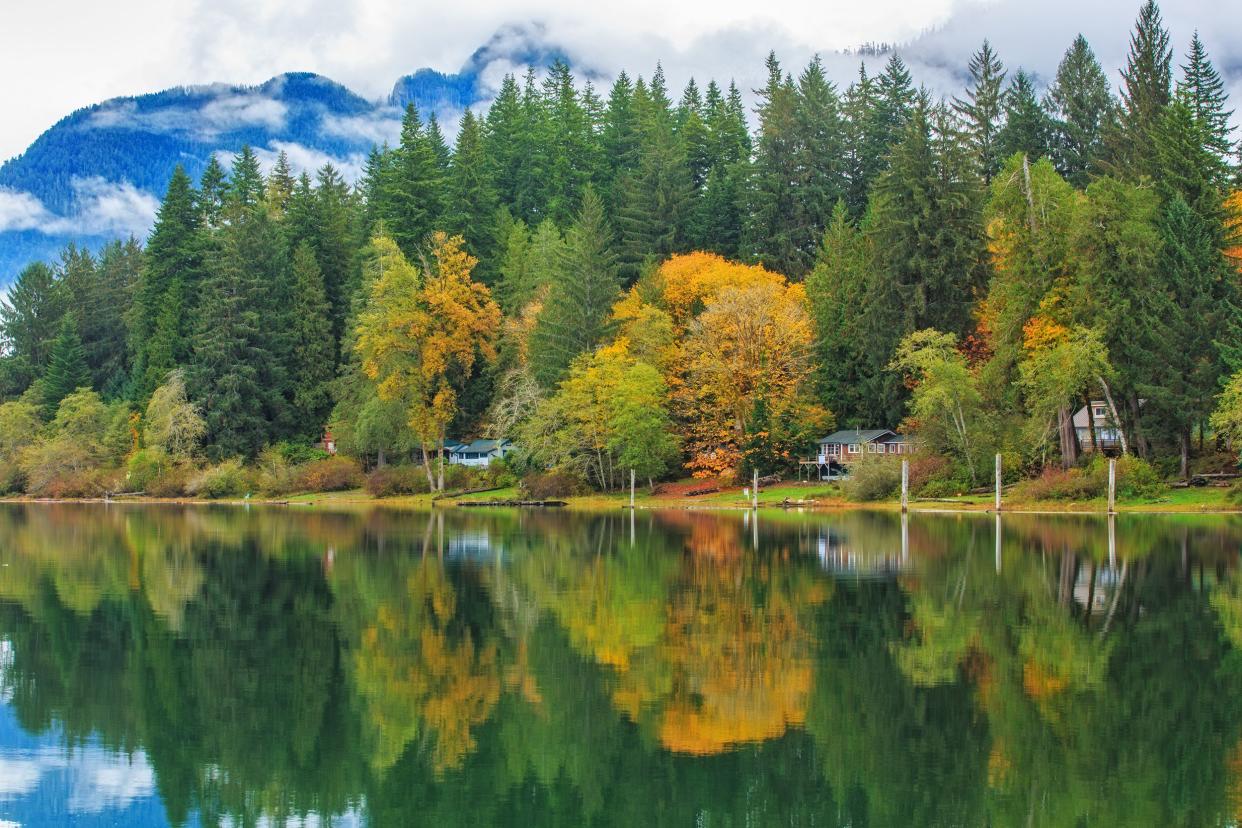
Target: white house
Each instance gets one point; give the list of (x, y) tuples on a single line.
[(478, 452)]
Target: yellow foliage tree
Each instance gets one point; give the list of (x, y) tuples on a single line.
[(418, 332)]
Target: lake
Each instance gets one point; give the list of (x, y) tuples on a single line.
[(198, 665)]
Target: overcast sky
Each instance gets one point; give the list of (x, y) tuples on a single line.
[(58, 55)]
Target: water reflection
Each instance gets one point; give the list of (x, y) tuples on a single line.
[(218, 666)]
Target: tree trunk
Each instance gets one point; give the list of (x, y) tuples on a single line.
[(1112, 408), (379, 458), (1140, 442), (1069, 442), (1095, 438), (431, 479), (1183, 444), (441, 483)]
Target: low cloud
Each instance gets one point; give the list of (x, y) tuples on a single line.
[(380, 127), (225, 111), (21, 211), (302, 159), (100, 208)]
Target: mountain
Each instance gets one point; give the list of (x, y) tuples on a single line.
[(99, 173)]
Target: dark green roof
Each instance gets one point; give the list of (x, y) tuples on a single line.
[(855, 435)]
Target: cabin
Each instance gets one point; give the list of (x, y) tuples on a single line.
[(328, 442), (841, 448), (478, 453), (1107, 431)]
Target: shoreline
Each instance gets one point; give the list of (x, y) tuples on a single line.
[(357, 499)]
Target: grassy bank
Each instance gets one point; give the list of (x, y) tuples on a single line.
[(821, 496)]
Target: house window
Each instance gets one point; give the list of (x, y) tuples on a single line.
[(871, 448), (1100, 412), (833, 450), (853, 448)]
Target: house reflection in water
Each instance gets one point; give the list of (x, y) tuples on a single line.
[(841, 557)]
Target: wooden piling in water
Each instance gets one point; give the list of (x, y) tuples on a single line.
[(905, 486), (1112, 485), (631, 488), (755, 491), (998, 481)]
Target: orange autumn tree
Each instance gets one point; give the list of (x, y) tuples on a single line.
[(730, 338), (1233, 220), (419, 331)]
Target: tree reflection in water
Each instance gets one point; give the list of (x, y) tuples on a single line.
[(542, 668)]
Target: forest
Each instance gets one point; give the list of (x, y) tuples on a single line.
[(677, 285)]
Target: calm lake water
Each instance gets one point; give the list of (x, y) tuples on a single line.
[(223, 666)]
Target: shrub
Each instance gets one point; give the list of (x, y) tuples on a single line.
[(545, 485), (78, 483), (227, 479), (390, 481), (144, 467), (274, 474), (12, 480), (872, 478), (331, 474), (174, 482), (1135, 478), (298, 453)]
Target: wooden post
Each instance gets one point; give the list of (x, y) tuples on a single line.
[(631, 488), (1112, 542), (755, 492), (998, 481), (1112, 485), (998, 543), (905, 485)]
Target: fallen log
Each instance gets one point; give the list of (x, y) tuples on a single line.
[(512, 503)]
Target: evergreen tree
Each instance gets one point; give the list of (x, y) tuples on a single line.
[(1145, 92), (575, 317), (29, 319), (836, 293), (335, 244), (67, 370), (928, 233), (211, 191), (1081, 107), (619, 138), (1027, 129), (772, 226), (314, 358), (981, 110), (1204, 89), (656, 196), (693, 131), (279, 188), (246, 187), (505, 138), (567, 133), (819, 146), (864, 152), (412, 187), (243, 344), (169, 282), (117, 276), (472, 197)]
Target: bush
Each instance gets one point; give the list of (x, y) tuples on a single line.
[(390, 481), (872, 478), (144, 467), (1135, 478), (12, 481), (331, 474), (227, 479), (174, 482), (546, 485), (296, 454)]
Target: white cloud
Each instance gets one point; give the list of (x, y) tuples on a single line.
[(301, 159), (99, 208), (20, 210), (99, 780), (60, 47), (376, 128), (226, 111)]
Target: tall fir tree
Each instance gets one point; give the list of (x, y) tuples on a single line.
[(1082, 108), (472, 197), (67, 370), (1145, 93), (981, 109), (412, 188), (169, 284), (314, 358), (29, 319), (772, 232), (1028, 129), (1204, 90), (575, 316)]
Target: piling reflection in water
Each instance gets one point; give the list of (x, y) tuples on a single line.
[(668, 668)]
